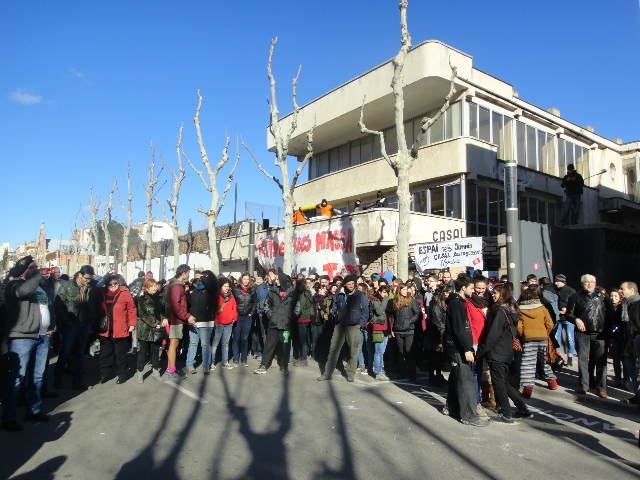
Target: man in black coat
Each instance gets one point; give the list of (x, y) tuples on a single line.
[(458, 345), (572, 184), (565, 292)]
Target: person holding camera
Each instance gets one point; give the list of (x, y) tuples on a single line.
[(572, 184)]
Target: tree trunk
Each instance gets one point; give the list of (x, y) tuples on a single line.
[(213, 243), (289, 205), (404, 214), (125, 252), (176, 248)]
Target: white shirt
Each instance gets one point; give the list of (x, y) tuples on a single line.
[(45, 316)]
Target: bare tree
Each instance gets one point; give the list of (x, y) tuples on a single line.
[(282, 150), (217, 202), (94, 206), (172, 201), (106, 220), (151, 191), (127, 228), (404, 159)]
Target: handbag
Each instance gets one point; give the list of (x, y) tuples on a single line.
[(515, 341), (103, 324), (377, 336), (159, 334)]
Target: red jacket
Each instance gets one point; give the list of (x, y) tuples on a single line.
[(229, 313), (177, 301), (477, 317), (124, 313)]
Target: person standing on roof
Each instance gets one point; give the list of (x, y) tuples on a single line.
[(299, 216), (326, 210)]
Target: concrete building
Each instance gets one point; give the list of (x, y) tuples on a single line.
[(458, 174)]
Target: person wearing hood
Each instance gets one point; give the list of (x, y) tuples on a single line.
[(306, 310), (357, 206), (204, 303), (116, 302), (351, 307), (327, 209), (280, 308), (226, 316), (533, 329), (497, 349)]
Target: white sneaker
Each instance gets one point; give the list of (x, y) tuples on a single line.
[(227, 366)]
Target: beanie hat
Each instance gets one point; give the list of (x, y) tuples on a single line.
[(561, 278), (350, 278), (21, 266)]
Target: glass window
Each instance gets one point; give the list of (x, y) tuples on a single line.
[(482, 204), (562, 166), (453, 121), (586, 167), (531, 147), (391, 141), (551, 154), (569, 153), (392, 202), (542, 211), (366, 152), (323, 163), (523, 210), (343, 156), (496, 127), (483, 231), (472, 229), (352, 152), (582, 163), (436, 131), (333, 160), (408, 132), (471, 202), (542, 158), (484, 120), (473, 119), (437, 201), (508, 138), (520, 134), (453, 201), (377, 152), (420, 201), (533, 209), (494, 208)]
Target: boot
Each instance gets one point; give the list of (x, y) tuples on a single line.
[(140, 377), (488, 396), (552, 384), (527, 392)]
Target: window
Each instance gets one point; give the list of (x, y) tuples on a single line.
[(542, 157), (472, 204), (333, 160), (452, 122), (523, 209), (452, 201), (473, 119), (501, 210), (562, 164), (436, 131), (550, 154), (323, 163), (313, 163), (531, 147), (542, 211), (484, 119), (533, 210), (377, 150), (366, 152), (343, 156), (494, 214), (522, 152), (496, 127), (437, 200), (408, 132), (552, 213), (482, 204), (420, 201), (508, 139), (391, 141), (569, 153), (392, 202)]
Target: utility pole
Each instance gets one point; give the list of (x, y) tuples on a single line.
[(513, 227), (252, 246)]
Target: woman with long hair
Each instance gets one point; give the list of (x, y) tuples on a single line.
[(226, 315), (533, 328), (406, 312), (434, 334), (149, 318), (497, 349)]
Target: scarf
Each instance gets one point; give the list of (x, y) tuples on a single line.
[(625, 305), (478, 301), (226, 296), (532, 301)]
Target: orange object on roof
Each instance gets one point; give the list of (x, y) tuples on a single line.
[(326, 211), (298, 217)]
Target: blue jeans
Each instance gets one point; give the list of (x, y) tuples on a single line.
[(571, 206), (303, 328), (222, 332), (241, 332), (364, 335), (476, 367), (200, 335), (316, 331), (571, 342), (377, 351), (629, 363), (74, 340), (25, 353)]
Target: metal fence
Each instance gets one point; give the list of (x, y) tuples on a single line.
[(260, 211)]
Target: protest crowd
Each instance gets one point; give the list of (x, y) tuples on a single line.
[(492, 345)]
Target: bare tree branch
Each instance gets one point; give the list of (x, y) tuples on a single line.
[(296, 108), (229, 179), (268, 175), (306, 159), (364, 129)]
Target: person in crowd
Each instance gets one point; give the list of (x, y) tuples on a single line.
[(75, 310), (226, 316), (246, 301), (380, 331), (50, 287), (116, 302), (630, 326), (327, 210), (204, 304), (280, 309), (533, 329), (176, 305), (613, 331), (586, 310), (364, 333), (532, 279), (357, 205), (550, 297), (149, 275), (150, 317), (477, 308), (29, 323), (461, 396), (379, 202), (317, 319), (352, 310), (430, 284), (406, 313), (565, 292), (572, 184), (447, 280), (305, 310), (299, 216), (136, 285), (434, 334), (261, 320), (497, 349)]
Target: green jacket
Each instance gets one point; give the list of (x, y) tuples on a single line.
[(306, 306), (148, 315), (69, 308)]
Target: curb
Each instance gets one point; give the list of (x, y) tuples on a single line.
[(611, 403)]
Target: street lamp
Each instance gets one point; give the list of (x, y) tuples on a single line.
[(513, 227)]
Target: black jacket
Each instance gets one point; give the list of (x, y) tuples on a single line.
[(246, 301), (203, 305), (564, 294), (590, 309), (630, 330), (498, 342), (457, 331), (435, 326), (404, 320), (573, 187), (280, 306)]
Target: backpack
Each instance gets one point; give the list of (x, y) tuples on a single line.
[(553, 298)]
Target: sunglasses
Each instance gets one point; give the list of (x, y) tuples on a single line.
[(114, 284), (87, 278)]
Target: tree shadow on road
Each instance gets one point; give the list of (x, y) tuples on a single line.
[(45, 471)]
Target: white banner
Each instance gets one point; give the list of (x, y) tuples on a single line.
[(325, 251), (464, 252)]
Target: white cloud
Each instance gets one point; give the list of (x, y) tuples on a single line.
[(20, 95), (79, 75)]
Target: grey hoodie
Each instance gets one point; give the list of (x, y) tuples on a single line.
[(23, 310)]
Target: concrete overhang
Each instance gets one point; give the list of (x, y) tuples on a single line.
[(614, 204)]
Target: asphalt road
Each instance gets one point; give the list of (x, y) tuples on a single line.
[(234, 424)]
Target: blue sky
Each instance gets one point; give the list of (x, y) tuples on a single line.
[(86, 86)]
